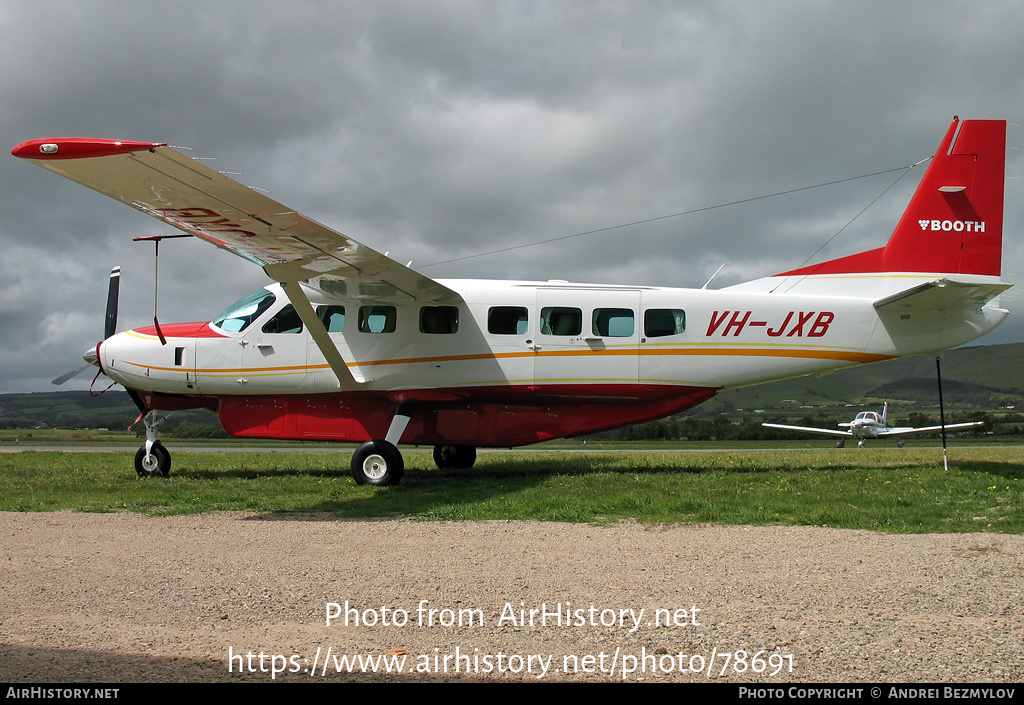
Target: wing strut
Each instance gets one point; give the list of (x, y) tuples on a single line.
[(319, 334)]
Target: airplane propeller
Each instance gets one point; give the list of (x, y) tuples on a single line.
[(109, 327)]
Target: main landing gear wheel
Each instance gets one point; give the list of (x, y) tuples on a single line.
[(156, 464), (454, 457), (377, 463)]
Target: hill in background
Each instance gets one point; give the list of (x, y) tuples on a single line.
[(114, 410), (986, 377)]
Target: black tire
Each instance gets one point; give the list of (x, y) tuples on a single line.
[(377, 463), (454, 457), (158, 463)]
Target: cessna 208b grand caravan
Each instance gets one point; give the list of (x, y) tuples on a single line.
[(349, 345)]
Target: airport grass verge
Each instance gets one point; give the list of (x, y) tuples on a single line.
[(889, 490)]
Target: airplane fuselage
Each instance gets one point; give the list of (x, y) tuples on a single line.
[(868, 430), (516, 363)]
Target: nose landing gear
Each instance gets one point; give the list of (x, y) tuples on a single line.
[(152, 459), (155, 463)]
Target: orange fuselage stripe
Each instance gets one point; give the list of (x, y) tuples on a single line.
[(845, 355)]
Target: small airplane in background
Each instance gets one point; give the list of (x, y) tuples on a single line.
[(870, 424), (348, 344)]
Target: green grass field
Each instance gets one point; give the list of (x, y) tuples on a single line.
[(879, 489)]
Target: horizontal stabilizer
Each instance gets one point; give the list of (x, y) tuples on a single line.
[(950, 292)]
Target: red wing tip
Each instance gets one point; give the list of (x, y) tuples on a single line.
[(78, 148)]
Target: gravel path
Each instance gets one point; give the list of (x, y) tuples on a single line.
[(123, 598)]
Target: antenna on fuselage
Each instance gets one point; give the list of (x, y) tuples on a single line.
[(713, 276)]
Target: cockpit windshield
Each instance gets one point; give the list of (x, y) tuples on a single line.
[(238, 317)]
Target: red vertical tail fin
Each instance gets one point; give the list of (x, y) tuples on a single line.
[(954, 223)]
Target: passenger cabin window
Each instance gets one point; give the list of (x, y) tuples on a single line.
[(377, 319), (238, 317), (613, 322), (507, 320), (284, 321), (557, 320), (659, 322), (333, 318), (439, 320)]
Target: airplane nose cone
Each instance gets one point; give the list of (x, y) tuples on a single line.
[(92, 355)]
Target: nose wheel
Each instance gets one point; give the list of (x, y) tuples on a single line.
[(155, 463), (152, 459)]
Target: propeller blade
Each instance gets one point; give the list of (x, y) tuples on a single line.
[(68, 375), (110, 326)]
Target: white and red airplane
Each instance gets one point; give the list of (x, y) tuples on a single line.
[(350, 345), (870, 424)]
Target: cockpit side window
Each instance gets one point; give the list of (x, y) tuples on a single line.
[(238, 317), (284, 321)]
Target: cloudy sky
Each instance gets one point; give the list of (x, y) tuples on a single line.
[(440, 130)]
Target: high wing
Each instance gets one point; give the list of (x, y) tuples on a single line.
[(181, 191), (294, 250), (906, 429), (826, 431)]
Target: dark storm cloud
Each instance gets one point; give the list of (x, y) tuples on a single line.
[(438, 130)]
